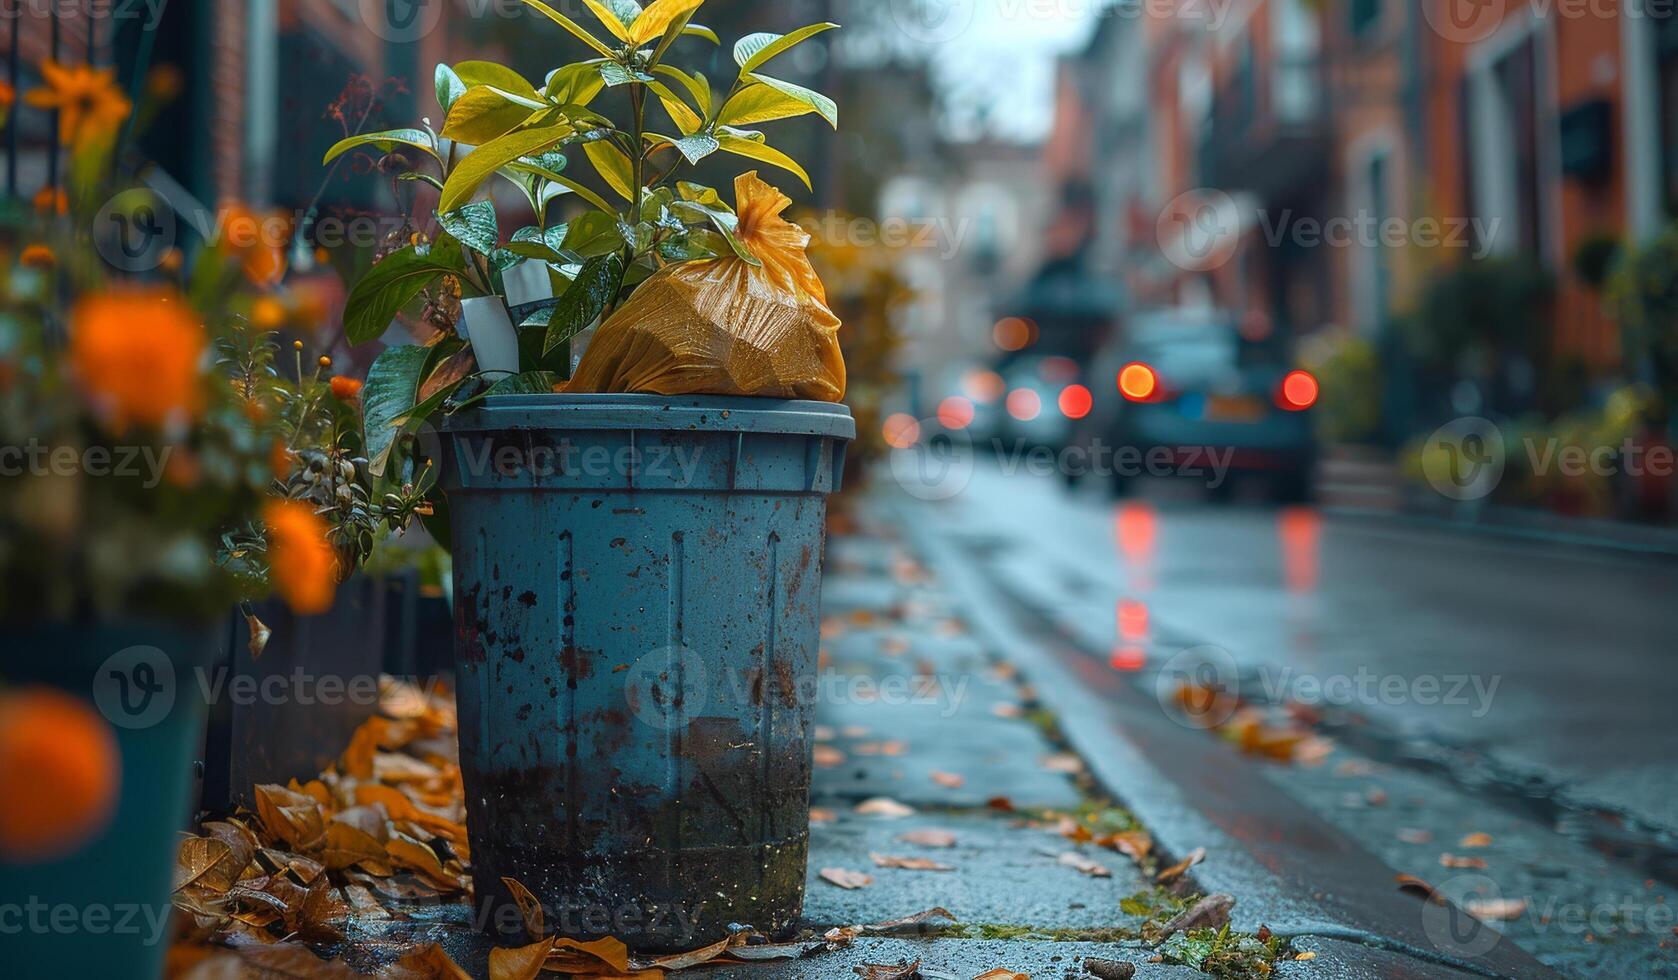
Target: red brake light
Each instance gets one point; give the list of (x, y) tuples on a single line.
[(1298, 392), (1138, 382)]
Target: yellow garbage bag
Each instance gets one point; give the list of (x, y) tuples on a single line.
[(724, 326)]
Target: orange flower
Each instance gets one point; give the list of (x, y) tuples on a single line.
[(258, 240), (346, 389), (268, 313), (301, 562), (38, 257), (165, 82), (8, 95), (60, 770), (139, 354), (89, 102), (279, 460), (52, 200)]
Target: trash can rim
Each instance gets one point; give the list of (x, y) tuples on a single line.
[(693, 413)]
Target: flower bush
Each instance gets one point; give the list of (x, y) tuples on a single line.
[(157, 462)]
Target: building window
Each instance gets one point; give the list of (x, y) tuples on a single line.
[(1364, 17), (1666, 73)]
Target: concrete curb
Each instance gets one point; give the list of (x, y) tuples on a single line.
[(1290, 870)]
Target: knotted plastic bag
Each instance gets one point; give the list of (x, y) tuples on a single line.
[(724, 326)]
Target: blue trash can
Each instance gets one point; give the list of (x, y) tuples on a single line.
[(637, 603)]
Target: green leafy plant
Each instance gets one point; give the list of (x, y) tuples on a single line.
[(635, 216), (1643, 293)]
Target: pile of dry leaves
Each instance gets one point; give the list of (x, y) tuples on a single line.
[(264, 893)]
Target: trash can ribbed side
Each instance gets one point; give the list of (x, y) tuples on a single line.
[(637, 616)]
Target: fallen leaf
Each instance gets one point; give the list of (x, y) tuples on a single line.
[(929, 837), (1306, 956), (1110, 969), (1177, 870), (1497, 909), (1001, 973), (348, 845), (1006, 709), (855, 731), (819, 814), (1419, 888), (948, 780), (428, 962), (523, 963), (609, 951), (871, 971), (1476, 840), (357, 760), (1063, 762), (918, 919), (530, 909), (206, 861), (846, 879), (891, 748), (1083, 864), (881, 806), (1000, 803), (1413, 835), (292, 816), (827, 757), (692, 958), (1461, 861), (908, 863), (1134, 844), (260, 634), (278, 960), (1211, 912)]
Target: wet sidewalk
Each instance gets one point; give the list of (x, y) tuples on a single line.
[(942, 783)]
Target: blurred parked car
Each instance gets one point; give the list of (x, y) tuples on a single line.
[(1187, 383)]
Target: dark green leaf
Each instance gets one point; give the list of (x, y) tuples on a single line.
[(449, 87), (390, 398), (473, 226), (595, 288), (389, 286)]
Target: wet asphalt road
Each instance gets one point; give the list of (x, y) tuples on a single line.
[(1556, 661)]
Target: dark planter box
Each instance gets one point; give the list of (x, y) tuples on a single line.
[(290, 713), (419, 631)]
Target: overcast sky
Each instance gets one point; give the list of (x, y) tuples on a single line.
[(997, 57)]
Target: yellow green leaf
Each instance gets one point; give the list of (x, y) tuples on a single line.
[(684, 116), (656, 19), (492, 156), (761, 103), (500, 76), (610, 18), (484, 113), (576, 29), (614, 166), (764, 153)]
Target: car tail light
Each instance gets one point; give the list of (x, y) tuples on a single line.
[(1298, 391), (1076, 401), (1138, 382)]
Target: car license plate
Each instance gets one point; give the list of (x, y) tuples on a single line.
[(1226, 408)]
